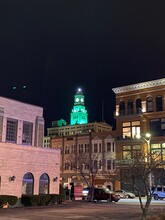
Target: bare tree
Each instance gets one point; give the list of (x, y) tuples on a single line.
[(88, 167), (142, 167)]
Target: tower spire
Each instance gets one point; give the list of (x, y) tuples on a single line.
[(79, 114)]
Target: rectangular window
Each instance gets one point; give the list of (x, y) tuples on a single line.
[(113, 147), (135, 132), (95, 164), (129, 152), (66, 166), (126, 155), (131, 129), (135, 123), (163, 154), (86, 148), (99, 148), (99, 164), (155, 146), (11, 130), (136, 149), (27, 133), (86, 167), (108, 147), (158, 151), (127, 132), (80, 148), (66, 149), (157, 126), (108, 164), (73, 149), (95, 148), (126, 147), (126, 124)]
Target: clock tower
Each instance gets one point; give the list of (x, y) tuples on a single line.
[(79, 114)]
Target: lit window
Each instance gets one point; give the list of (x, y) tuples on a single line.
[(131, 129), (129, 152)]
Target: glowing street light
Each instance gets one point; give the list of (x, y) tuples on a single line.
[(147, 139)]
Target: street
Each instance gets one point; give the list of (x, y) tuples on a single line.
[(125, 209)]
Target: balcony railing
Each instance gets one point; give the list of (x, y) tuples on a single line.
[(129, 112)]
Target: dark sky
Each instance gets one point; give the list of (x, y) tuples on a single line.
[(55, 46)]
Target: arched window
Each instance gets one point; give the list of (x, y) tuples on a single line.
[(138, 105), (44, 184), (159, 104), (149, 104), (122, 108), (130, 107), (27, 184)]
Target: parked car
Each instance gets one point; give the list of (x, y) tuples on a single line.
[(125, 194), (85, 193), (158, 192), (101, 194)]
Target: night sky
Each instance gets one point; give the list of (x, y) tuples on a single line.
[(54, 47)]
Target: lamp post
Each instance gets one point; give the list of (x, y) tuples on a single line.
[(147, 139)]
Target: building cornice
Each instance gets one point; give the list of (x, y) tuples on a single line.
[(143, 85)]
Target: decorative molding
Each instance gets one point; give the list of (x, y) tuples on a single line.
[(143, 85)]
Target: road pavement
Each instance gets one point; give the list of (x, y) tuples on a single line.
[(125, 209)]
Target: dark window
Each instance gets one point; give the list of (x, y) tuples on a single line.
[(108, 147), (149, 104), (27, 133), (95, 164), (86, 148), (108, 164), (81, 148), (138, 105), (159, 106), (157, 126), (130, 107), (66, 149), (11, 131), (122, 108), (95, 148)]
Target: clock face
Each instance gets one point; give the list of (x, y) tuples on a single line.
[(77, 99), (82, 99)]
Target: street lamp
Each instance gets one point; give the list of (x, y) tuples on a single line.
[(147, 139)]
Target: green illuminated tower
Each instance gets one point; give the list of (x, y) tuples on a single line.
[(79, 114)]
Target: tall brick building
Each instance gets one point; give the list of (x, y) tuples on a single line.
[(140, 108), (25, 166)]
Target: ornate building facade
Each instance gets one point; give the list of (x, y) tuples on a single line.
[(140, 109)]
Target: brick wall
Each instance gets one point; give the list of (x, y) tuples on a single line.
[(17, 160), (22, 112)]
